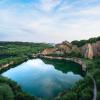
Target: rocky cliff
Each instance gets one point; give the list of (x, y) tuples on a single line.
[(48, 51), (96, 48), (89, 50), (62, 48)]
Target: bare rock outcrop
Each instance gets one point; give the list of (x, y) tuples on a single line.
[(87, 51), (62, 48), (91, 50), (48, 51), (96, 48)]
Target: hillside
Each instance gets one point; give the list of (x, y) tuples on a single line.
[(88, 49)]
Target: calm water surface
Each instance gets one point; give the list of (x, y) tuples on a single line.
[(45, 78)]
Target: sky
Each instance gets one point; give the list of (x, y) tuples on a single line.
[(50, 21)]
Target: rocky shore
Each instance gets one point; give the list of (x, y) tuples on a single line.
[(2, 66)]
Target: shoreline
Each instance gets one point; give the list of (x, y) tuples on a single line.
[(11, 64), (74, 59)]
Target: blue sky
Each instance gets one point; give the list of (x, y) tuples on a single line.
[(49, 20)]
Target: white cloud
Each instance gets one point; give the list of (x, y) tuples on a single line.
[(39, 23), (48, 5)]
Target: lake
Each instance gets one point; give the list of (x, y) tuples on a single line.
[(45, 78)]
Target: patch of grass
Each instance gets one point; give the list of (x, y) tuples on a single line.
[(6, 92)]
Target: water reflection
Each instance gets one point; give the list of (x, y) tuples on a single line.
[(43, 80), (65, 66)]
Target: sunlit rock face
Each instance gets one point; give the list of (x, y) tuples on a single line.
[(88, 51), (62, 48), (96, 48), (48, 51), (91, 50)]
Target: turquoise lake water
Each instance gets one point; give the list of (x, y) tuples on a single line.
[(45, 78)]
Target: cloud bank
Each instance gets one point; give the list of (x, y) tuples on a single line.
[(49, 20)]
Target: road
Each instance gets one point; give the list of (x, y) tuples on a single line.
[(94, 90), (94, 87)]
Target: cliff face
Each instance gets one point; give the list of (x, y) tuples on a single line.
[(91, 50), (62, 48), (88, 50), (48, 51), (96, 48)]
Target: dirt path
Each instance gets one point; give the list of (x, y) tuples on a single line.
[(94, 90), (94, 87)]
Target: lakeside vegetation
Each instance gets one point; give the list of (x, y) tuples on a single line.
[(22, 49), (18, 52), (72, 54)]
